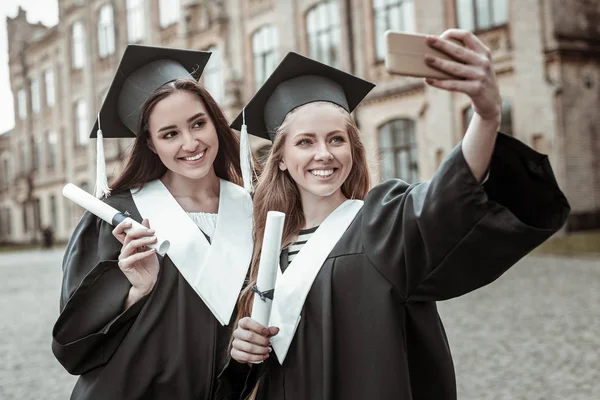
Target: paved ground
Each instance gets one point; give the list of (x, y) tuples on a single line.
[(29, 296), (532, 335)]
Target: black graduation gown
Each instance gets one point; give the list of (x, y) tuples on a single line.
[(163, 347), (369, 328)]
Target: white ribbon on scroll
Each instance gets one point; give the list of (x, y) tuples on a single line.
[(267, 268)]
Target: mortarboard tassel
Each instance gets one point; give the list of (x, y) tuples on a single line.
[(246, 162), (101, 189)]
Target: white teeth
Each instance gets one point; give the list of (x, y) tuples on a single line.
[(196, 157), (321, 172)]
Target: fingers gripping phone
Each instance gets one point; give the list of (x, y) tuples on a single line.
[(405, 55)]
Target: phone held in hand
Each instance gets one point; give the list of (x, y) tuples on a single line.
[(405, 55)]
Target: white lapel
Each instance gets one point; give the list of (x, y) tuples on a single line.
[(293, 286), (216, 272)]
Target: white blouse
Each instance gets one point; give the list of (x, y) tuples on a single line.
[(207, 222)]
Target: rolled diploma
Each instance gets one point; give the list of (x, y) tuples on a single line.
[(267, 267), (107, 213)]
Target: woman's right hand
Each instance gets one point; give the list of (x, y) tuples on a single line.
[(138, 263), (251, 341)]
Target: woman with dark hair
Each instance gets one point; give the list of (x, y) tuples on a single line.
[(133, 324), (354, 309)]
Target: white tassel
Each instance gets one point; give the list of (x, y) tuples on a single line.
[(246, 162), (101, 189)]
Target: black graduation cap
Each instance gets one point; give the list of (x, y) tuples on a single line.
[(142, 70), (299, 80)]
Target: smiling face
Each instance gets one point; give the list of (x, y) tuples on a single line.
[(183, 135), (317, 152)]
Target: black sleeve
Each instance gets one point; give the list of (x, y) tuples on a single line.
[(443, 238), (92, 322), (237, 381)]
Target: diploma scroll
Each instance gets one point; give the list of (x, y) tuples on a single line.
[(108, 213), (267, 268)]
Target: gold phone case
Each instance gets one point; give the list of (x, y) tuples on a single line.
[(405, 55)]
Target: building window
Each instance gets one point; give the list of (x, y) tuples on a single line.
[(22, 103), (53, 212), (37, 215), (475, 15), (323, 28), (213, 78), (264, 50), (52, 149), (25, 220), (37, 154), (506, 125), (106, 32), (35, 95), (168, 11), (78, 46), (81, 122), (5, 173), (5, 223), (398, 146), (23, 157), (50, 93), (135, 20), (396, 15)]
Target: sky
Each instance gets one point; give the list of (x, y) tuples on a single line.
[(44, 11)]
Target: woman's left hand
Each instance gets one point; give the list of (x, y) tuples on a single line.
[(473, 70)]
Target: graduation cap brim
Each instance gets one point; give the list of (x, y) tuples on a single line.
[(307, 91), (183, 63)]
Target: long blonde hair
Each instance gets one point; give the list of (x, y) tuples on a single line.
[(277, 191)]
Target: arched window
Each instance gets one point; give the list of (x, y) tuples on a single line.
[(106, 31), (264, 51), (396, 15), (77, 46), (399, 153), (323, 28)]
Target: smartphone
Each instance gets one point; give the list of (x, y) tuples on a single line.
[(405, 55)]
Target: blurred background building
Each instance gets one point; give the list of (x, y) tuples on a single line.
[(546, 53)]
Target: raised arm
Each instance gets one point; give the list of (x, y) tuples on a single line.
[(476, 78)]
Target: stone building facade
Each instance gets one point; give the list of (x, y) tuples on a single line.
[(546, 53)]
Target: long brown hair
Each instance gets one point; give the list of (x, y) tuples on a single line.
[(277, 191), (144, 165)]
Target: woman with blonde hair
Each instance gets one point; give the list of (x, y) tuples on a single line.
[(354, 310)]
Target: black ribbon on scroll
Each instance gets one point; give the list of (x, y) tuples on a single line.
[(120, 217), (267, 294)]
